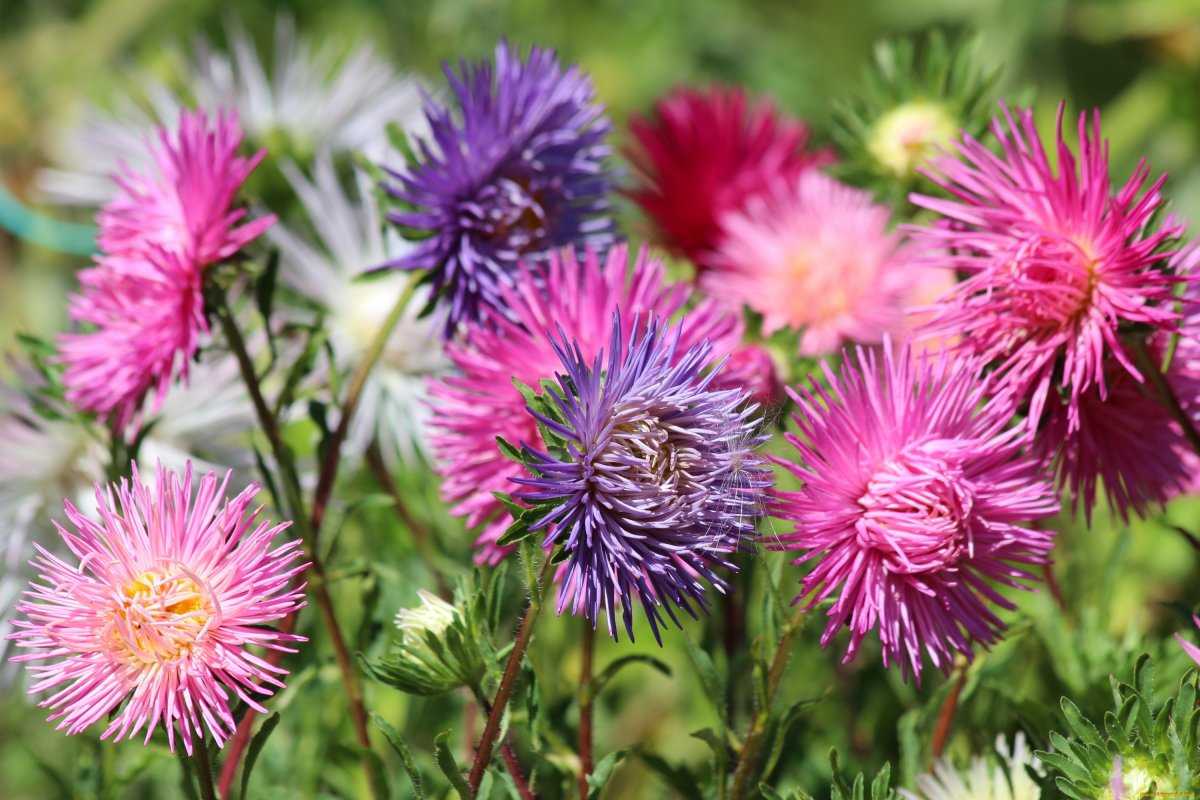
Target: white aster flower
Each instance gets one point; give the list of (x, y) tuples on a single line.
[(352, 240), (1002, 776), (311, 99)]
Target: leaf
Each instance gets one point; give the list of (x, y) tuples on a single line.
[(610, 671), (255, 748), (449, 767), (603, 771), (710, 679), (264, 289), (718, 746), (401, 749)]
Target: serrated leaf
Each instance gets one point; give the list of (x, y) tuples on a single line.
[(449, 767), (406, 759), (255, 749)]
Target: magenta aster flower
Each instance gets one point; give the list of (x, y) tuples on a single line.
[(142, 303), (520, 171), (1126, 442), (815, 256), (1189, 648), (185, 201), (652, 482), (478, 404), (914, 490), (1057, 263), (153, 622)]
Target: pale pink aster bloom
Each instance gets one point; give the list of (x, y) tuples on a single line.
[(153, 622), (813, 255), (185, 201), (143, 300), (1057, 263), (572, 295), (914, 490)]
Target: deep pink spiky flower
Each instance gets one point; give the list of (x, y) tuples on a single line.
[(153, 621), (814, 255), (915, 488), (1058, 262), (703, 153), (578, 297), (142, 303), (1127, 445)]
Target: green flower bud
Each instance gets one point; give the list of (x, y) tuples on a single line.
[(438, 650)]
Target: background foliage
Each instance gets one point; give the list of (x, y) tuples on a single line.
[(1126, 588)]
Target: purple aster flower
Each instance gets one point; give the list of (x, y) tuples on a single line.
[(914, 488), (653, 483), (519, 171)]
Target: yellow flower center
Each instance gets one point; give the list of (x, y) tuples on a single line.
[(906, 136), (159, 617)]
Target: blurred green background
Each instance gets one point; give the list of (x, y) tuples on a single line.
[(1138, 60)]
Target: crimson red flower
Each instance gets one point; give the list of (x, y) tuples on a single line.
[(702, 154)]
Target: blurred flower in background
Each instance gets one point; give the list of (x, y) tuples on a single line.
[(352, 241), (1002, 775)]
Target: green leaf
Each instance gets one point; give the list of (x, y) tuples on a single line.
[(710, 679), (255, 748), (603, 771), (610, 671), (511, 452), (264, 288), (678, 778), (401, 749), (449, 767)]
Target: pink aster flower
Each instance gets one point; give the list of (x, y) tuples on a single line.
[(1058, 263), (153, 621), (1126, 442), (472, 408), (914, 490), (185, 201), (142, 304), (813, 255)]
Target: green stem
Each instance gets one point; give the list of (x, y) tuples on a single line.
[(202, 768), (752, 745), (483, 753)]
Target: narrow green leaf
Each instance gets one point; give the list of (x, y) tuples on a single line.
[(616, 665), (255, 748), (449, 767), (603, 771), (410, 766)]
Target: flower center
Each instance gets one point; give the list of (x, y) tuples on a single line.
[(1053, 280), (916, 513), (160, 616), (905, 137), (509, 213)]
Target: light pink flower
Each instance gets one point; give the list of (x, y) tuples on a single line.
[(1058, 263), (577, 298), (813, 255), (914, 491), (154, 620), (142, 302)]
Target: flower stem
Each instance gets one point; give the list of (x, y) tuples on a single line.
[(585, 708), (1153, 372), (422, 540), (487, 743), (945, 720), (309, 528), (202, 767), (507, 753), (747, 760)]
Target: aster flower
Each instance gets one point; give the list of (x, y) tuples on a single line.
[(310, 99), (914, 488), (653, 482), (814, 255), (153, 620), (438, 649), (1002, 778), (704, 154), (517, 172), (51, 461), (143, 300), (351, 241), (1058, 265), (578, 296)]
